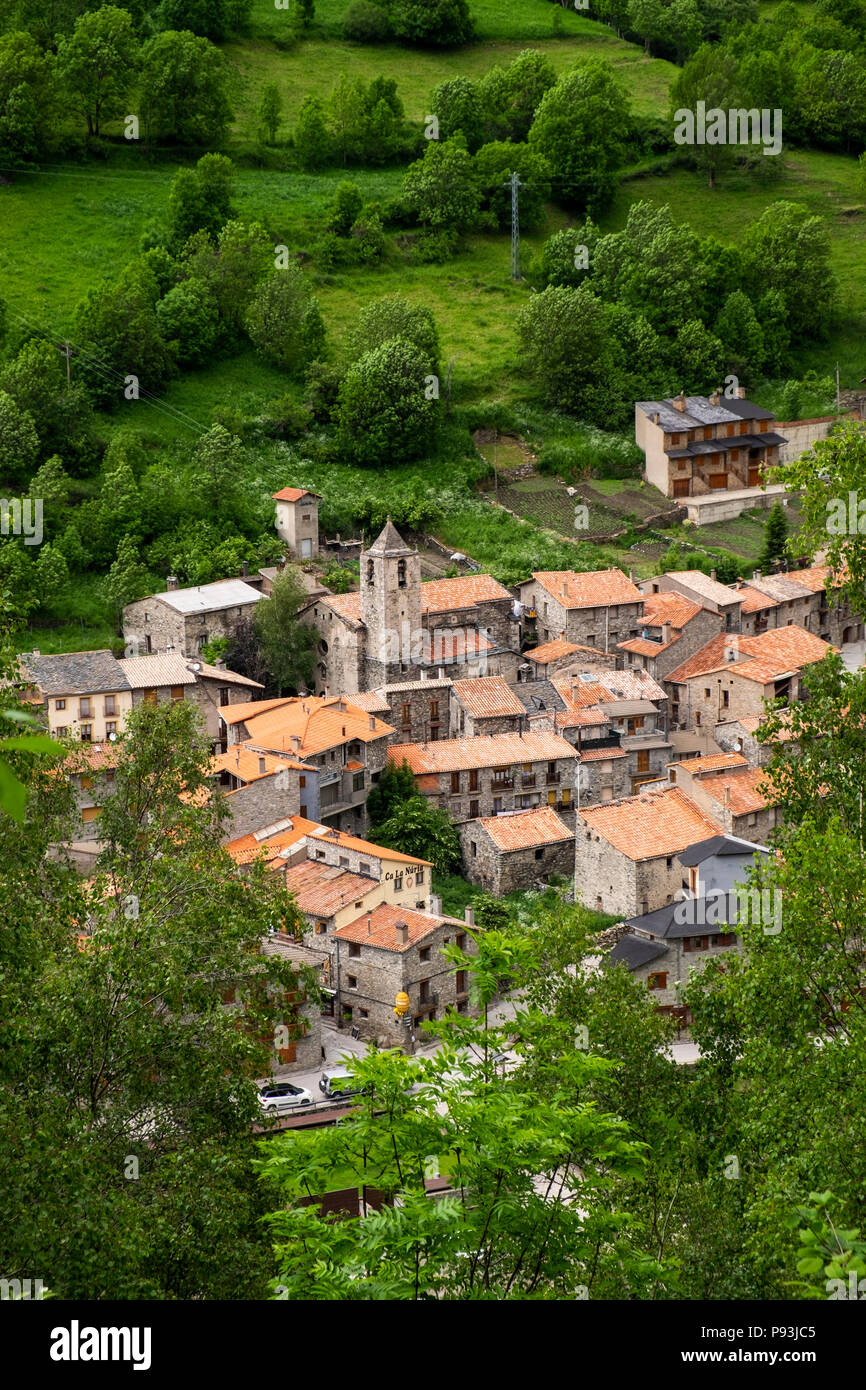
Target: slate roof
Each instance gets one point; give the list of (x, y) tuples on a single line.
[(699, 411), (76, 673), (718, 846), (210, 598), (632, 951)]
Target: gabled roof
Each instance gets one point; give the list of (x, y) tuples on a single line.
[(553, 651), (781, 587), (485, 750), (650, 824), (705, 586), (464, 591), (753, 601), (75, 673), (488, 697), (607, 687), (815, 578), (699, 410), (670, 607), (210, 598), (170, 668), (763, 658), (273, 839), (741, 791), (307, 726), (526, 829), (593, 589), (245, 764), (633, 951), (379, 927), (293, 494), (323, 889), (719, 847), (713, 762)]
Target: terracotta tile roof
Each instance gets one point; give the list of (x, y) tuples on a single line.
[(712, 762), (601, 755), (446, 595), (642, 646), (348, 606), (309, 726), (552, 651), (671, 608), (488, 696), (594, 589), (526, 829), (761, 658), (485, 750), (292, 494), (323, 889), (606, 687), (379, 927), (753, 602), (650, 824), (448, 644), (95, 755), (372, 701), (816, 578), (273, 839), (741, 789), (752, 723), (236, 714), (245, 764)]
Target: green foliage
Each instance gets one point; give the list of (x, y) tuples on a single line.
[(774, 555), (314, 146), (442, 189), (396, 786), (431, 23), (288, 646), (270, 110), (99, 63), (423, 830), (457, 107), (345, 209), (200, 199), (579, 129), (283, 320), (509, 97), (394, 316), (184, 89), (188, 320), (19, 442), (384, 412), (494, 165), (568, 348), (366, 22)]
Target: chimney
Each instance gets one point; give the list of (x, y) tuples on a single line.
[(171, 583), (436, 904), (469, 916), (712, 574), (715, 398), (261, 765), (631, 576), (756, 574), (741, 393), (372, 723), (679, 402), (296, 741), (402, 933), (369, 924), (666, 632), (727, 798), (36, 652), (245, 569)]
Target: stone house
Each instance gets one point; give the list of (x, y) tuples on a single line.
[(395, 628), (559, 658), (666, 947), (794, 602), (297, 521), (154, 680), (675, 627), (694, 445), (390, 950), (634, 708), (504, 854), (734, 794), (836, 621), (598, 609), (346, 747), (483, 776), (185, 620), (260, 789), (418, 711), (733, 676), (626, 851), (90, 771), (757, 611), (485, 706), (741, 736), (303, 1049), (84, 695), (703, 589)]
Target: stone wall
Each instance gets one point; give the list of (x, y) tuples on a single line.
[(802, 434), (379, 975), (489, 797), (608, 880), (266, 801), (500, 873)]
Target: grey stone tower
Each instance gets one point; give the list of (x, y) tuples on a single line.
[(391, 610)]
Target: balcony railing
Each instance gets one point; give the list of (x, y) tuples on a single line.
[(527, 779), (552, 779), (499, 783)]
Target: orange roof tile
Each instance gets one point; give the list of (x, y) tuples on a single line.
[(606, 687), (246, 765), (671, 608), (236, 714), (642, 646), (526, 829), (594, 589), (292, 494), (738, 791), (323, 889), (753, 602), (487, 697), (601, 755), (552, 651), (711, 762), (379, 927), (762, 658), (446, 595), (650, 824), (309, 726), (295, 828), (95, 755), (816, 578), (485, 750)]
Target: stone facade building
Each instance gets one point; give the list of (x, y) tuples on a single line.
[(731, 792), (395, 628), (297, 521), (674, 628), (260, 789), (491, 773), (185, 620), (303, 1049), (732, 676), (598, 609), (559, 658), (626, 852), (346, 747), (836, 622), (84, 695), (504, 854), (155, 680), (485, 706), (391, 950), (703, 589)]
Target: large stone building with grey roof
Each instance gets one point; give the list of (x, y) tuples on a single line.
[(185, 620)]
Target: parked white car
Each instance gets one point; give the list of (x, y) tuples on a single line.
[(275, 1097)]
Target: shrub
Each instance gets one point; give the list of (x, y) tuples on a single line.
[(364, 22)]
